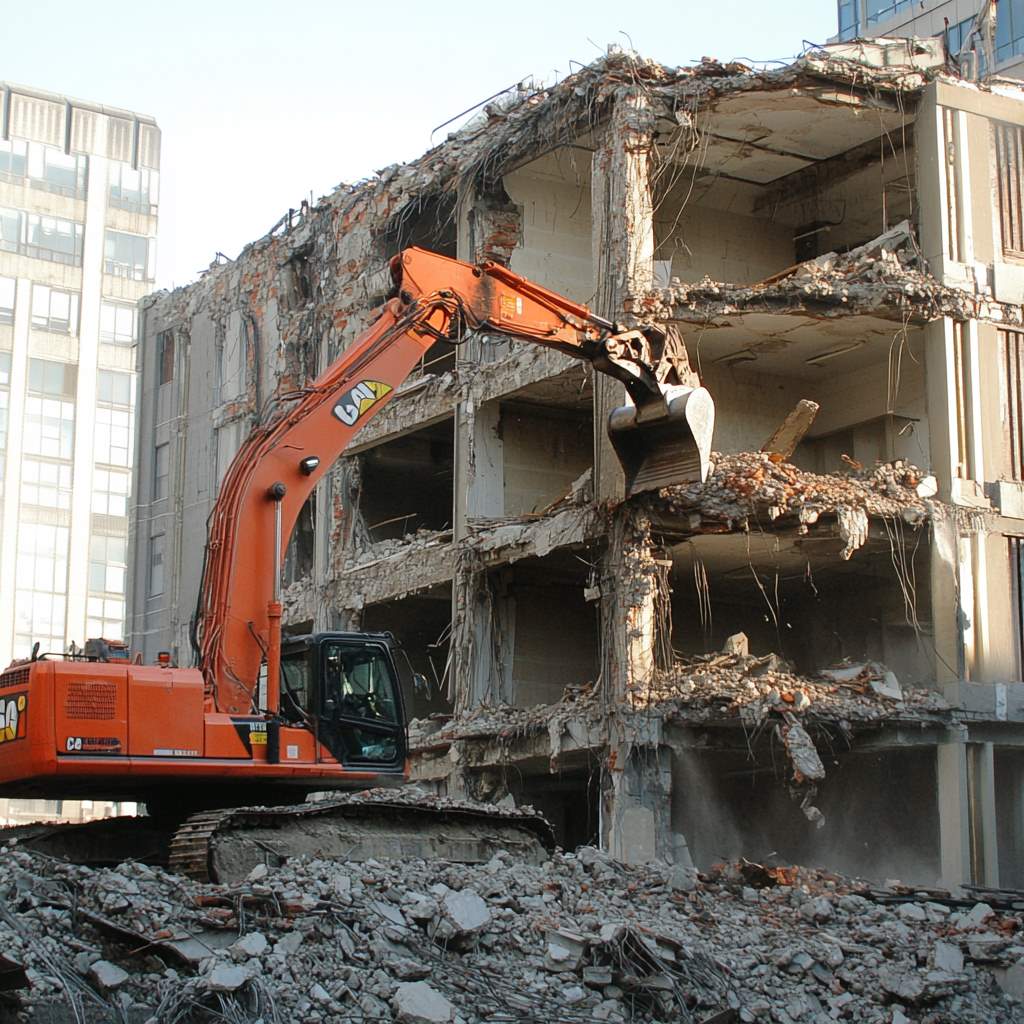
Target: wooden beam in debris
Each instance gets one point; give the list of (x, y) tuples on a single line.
[(792, 429)]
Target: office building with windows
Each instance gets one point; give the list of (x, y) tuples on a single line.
[(78, 217), (872, 18)]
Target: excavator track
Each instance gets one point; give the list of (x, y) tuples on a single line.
[(225, 845)]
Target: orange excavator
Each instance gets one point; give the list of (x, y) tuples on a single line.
[(265, 722)]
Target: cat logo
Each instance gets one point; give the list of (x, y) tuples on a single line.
[(13, 717), (354, 402)]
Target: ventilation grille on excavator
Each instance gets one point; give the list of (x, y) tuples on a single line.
[(91, 699)]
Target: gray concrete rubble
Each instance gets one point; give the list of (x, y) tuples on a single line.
[(887, 274), (581, 937)]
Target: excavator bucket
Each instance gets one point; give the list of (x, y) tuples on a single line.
[(664, 442)]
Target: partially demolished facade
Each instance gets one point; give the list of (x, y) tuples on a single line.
[(816, 654)]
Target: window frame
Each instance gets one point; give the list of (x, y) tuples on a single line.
[(157, 545), (50, 323)]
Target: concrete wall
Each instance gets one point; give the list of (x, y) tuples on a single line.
[(554, 195), (544, 664), (543, 452), (721, 244)]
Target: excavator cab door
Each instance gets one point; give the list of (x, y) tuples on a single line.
[(360, 717)]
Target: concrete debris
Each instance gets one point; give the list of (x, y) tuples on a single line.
[(579, 937), (417, 1003), (802, 752), (884, 277), (107, 976), (223, 978), (736, 644), (748, 489), (719, 686)]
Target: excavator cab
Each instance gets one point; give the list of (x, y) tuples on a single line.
[(345, 687)]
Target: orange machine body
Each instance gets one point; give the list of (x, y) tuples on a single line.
[(121, 731)]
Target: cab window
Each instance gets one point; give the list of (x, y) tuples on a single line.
[(360, 683), (294, 684)]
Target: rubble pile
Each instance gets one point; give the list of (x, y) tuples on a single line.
[(885, 275), (740, 685), (716, 688), (579, 938), (506, 721), (382, 550), (746, 486)]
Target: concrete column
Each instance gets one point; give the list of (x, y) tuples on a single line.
[(636, 804), (629, 588), (85, 399), (969, 846), (942, 404), (479, 617), (12, 468), (622, 243), (479, 466), (983, 813), (954, 811)]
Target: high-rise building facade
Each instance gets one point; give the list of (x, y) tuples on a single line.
[(78, 217), (872, 18)]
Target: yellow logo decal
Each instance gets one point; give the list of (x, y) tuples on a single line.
[(13, 717), (354, 402)]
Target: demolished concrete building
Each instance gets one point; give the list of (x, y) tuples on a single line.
[(817, 653)]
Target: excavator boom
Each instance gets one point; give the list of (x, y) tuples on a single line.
[(662, 437)]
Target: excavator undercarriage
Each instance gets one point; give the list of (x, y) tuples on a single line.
[(224, 845)]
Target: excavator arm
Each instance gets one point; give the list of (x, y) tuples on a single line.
[(663, 436)]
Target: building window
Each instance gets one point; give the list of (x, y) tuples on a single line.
[(882, 10), (133, 190), (161, 470), (58, 380), (49, 415), (104, 617), (53, 239), (107, 565), (41, 586), (1009, 30), (4, 407), (12, 226), (1011, 387), (7, 289), (165, 357), (46, 484), (113, 436), (54, 310), (5, 395), (128, 256), (113, 421), (1010, 169), (1016, 552), (114, 388), (13, 160), (849, 19), (110, 488), (54, 170), (117, 323), (156, 565), (957, 36)]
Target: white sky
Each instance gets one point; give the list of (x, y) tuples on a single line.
[(261, 103)]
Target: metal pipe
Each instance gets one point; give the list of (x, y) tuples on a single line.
[(276, 494)]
